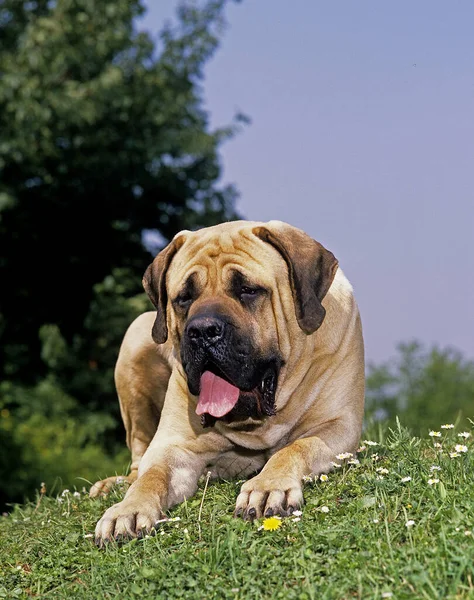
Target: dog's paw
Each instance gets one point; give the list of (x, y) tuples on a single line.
[(131, 518), (265, 496), (103, 487)]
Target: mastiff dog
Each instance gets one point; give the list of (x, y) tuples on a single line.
[(251, 365)]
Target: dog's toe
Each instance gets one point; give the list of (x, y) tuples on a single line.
[(127, 520), (103, 487), (263, 496)]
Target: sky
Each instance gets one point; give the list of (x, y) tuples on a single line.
[(362, 134)]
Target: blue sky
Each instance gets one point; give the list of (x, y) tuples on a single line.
[(362, 134)]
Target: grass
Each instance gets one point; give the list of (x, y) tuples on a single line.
[(360, 548)]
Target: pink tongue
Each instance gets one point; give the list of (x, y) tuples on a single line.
[(217, 397)]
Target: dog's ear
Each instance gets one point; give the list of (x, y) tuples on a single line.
[(311, 270), (154, 282)]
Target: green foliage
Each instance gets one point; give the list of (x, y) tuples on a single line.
[(103, 139), (425, 387), (87, 368), (47, 438), (103, 136), (361, 548)]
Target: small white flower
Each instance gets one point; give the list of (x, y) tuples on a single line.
[(375, 457), (468, 532), (370, 443), (432, 481), (77, 494), (447, 426), (162, 532), (382, 470), (307, 479), (454, 454), (435, 468), (60, 500), (464, 434), (344, 455), (297, 513), (324, 509), (437, 445), (406, 479), (458, 529), (361, 448), (185, 531), (353, 461), (435, 433), (174, 519), (375, 521), (387, 594), (88, 535), (460, 448), (409, 523), (64, 493), (336, 465), (323, 478), (296, 519), (379, 477)]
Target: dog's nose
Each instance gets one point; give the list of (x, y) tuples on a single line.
[(205, 329)]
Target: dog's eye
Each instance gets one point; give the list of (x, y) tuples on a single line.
[(183, 300), (247, 293)]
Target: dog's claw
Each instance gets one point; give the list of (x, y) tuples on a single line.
[(250, 514)]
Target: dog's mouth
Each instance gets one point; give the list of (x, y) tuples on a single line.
[(220, 398)]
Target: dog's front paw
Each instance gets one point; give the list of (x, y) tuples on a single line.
[(103, 487), (268, 496), (131, 518)]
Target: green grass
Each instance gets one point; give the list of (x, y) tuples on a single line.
[(361, 548)]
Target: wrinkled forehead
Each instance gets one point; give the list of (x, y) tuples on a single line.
[(215, 255)]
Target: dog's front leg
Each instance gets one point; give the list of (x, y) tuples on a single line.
[(168, 472), (172, 478), (278, 488)]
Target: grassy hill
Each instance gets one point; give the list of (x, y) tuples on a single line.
[(399, 524)]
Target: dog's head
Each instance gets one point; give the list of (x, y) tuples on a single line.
[(232, 297)]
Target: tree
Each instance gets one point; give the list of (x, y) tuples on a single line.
[(103, 139), (103, 136), (425, 388)]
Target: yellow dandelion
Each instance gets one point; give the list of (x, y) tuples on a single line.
[(271, 523)]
